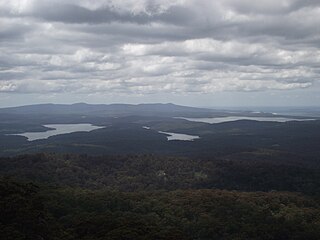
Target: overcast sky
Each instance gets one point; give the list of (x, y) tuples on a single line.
[(191, 52)]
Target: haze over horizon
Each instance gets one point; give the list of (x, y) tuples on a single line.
[(188, 52)]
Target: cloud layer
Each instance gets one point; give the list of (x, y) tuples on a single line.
[(158, 46)]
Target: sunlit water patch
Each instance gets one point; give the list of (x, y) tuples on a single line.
[(179, 136), (235, 118), (57, 130), (176, 136)]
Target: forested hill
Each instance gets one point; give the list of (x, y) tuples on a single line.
[(52, 196), (30, 212), (245, 172)]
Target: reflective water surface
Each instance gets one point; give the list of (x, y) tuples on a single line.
[(179, 136), (58, 129), (235, 118)]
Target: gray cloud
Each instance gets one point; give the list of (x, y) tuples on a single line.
[(148, 47)]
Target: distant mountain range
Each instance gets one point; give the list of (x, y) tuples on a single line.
[(104, 109)]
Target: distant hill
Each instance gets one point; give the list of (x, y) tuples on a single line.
[(104, 109)]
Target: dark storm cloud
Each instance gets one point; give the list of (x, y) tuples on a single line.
[(11, 31), (151, 46), (271, 7), (75, 14), (71, 13)]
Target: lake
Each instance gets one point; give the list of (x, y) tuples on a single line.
[(179, 136), (176, 136), (235, 118), (58, 129)]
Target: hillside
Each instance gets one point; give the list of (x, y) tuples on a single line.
[(238, 180), (146, 197)]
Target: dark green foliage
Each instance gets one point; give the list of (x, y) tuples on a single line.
[(182, 214), (23, 214), (127, 197), (197, 214), (254, 171)]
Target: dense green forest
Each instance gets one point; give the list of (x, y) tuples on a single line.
[(65, 196), (151, 172)]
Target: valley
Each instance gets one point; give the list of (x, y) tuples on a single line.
[(158, 172)]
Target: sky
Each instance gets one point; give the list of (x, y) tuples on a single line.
[(189, 52)]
